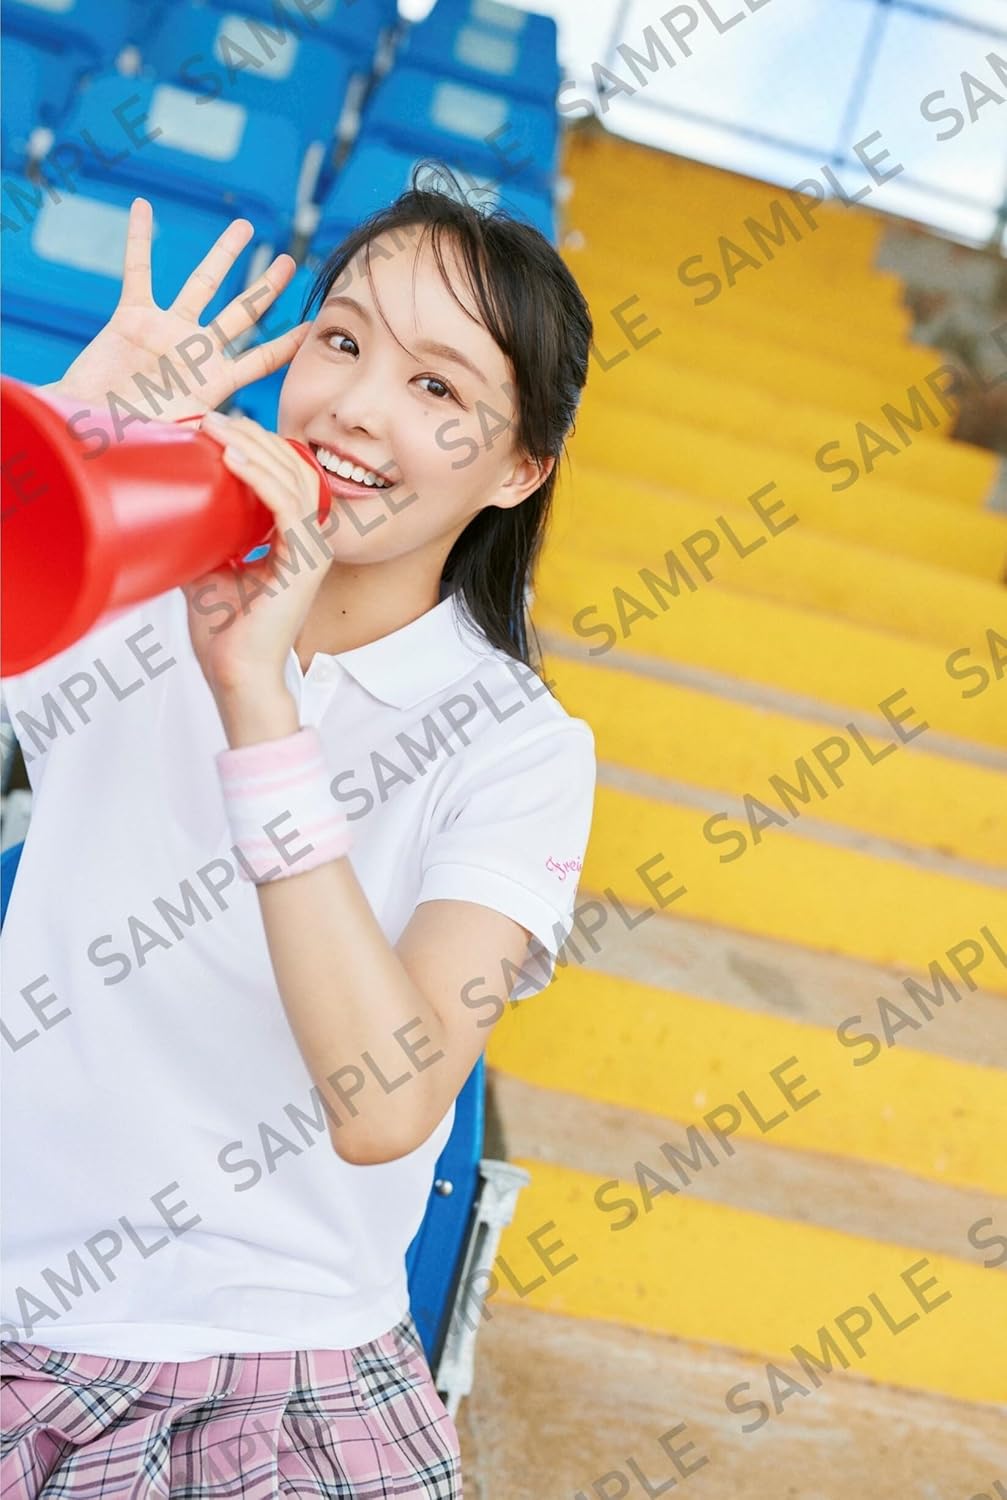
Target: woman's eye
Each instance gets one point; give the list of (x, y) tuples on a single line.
[(445, 388), (341, 333)]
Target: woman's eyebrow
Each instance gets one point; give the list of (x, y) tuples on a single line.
[(428, 346)]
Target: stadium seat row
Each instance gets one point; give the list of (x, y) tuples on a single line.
[(99, 29), (471, 39), (222, 112)]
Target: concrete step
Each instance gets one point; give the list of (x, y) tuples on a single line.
[(583, 1418)]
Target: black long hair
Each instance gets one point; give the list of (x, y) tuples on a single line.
[(539, 318)]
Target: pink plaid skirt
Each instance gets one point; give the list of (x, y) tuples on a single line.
[(344, 1424)]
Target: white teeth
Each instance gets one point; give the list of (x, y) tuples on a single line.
[(345, 470)]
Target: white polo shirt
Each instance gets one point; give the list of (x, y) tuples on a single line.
[(169, 1188)]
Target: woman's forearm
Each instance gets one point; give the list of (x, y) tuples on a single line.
[(365, 1031)]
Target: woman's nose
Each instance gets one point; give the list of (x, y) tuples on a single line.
[(359, 404)]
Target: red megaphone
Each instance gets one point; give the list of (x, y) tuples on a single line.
[(96, 518)]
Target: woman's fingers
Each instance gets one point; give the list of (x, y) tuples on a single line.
[(208, 275), (249, 306), (274, 488), (265, 454), (136, 286), (260, 360)]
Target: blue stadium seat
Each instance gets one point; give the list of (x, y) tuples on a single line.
[(63, 260), (37, 86), (375, 175), (260, 401), (492, 46), (486, 129), (148, 15), (236, 58), (288, 308), (35, 355), (9, 861), (355, 26), (434, 1259), (214, 154), (98, 28)]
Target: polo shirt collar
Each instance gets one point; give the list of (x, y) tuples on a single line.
[(419, 659)]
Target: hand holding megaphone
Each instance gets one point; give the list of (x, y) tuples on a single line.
[(244, 622), (89, 531)]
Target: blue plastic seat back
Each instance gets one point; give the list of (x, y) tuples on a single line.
[(375, 175), (493, 46), (37, 88), (240, 58), (9, 860), (210, 153), (63, 260), (487, 129), (433, 1260), (286, 310), (355, 26), (35, 355), (98, 28)]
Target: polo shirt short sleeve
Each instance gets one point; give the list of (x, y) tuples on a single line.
[(514, 838)]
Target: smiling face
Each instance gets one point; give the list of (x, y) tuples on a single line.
[(436, 418)]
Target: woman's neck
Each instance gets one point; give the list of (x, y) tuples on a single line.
[(353, 609)]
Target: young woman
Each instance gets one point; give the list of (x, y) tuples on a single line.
[(301, 831)]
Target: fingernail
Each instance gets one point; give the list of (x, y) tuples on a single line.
[(236, 456)]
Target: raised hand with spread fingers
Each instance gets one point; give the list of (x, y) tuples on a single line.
[(162, 361)]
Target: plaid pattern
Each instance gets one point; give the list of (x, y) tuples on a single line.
[(343, 1424)]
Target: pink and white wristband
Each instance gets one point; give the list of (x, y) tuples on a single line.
[(279, 807)]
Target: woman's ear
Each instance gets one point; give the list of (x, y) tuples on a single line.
[(526, 477)]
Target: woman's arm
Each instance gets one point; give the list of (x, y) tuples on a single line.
[(387, 1034), (356, 1014)]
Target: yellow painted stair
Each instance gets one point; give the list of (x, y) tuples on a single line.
[(792, 919), (871, 506), (758, 547), (871, 337), (905, 435), (774, 770), (758, 643)]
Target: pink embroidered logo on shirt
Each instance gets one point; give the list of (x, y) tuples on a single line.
[(562, 867)]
